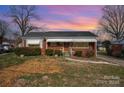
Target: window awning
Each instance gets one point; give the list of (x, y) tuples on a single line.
[(71, 40), (33, 41)]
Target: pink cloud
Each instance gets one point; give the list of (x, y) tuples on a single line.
[(76, 17), (73, 9), (78, 23)]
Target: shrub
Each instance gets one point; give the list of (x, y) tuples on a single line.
[(109, 51), (49, 52), (52, 52), (107, 45), (10, 50), (78, 53), (90, 53), (58, 52), (26, 51)]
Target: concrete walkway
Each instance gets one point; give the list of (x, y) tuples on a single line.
[(111, 59), (90, 61)]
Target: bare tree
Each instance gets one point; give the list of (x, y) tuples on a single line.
[(3, 30), (17, 39), (112, 21), (22, 16)]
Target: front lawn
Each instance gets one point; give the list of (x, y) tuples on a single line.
[(11, 59), (57, 72), (78, 75)]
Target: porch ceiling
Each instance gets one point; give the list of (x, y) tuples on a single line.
[(71, 40)]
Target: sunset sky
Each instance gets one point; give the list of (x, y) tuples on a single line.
[(64, 17)]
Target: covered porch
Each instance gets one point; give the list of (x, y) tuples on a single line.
[(70, 46)]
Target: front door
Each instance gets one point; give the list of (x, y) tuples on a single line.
[(66, 46), (67, 49)]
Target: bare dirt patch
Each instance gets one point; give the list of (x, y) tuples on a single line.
[(9, 75)]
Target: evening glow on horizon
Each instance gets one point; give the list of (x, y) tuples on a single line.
[(65, 17)]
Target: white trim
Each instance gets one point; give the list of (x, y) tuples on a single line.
[(73, 37), (34, 41), (71, 40)]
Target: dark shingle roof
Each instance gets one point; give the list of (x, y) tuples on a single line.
[(60, 34), (118, 42)]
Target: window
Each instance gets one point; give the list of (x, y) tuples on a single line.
[(80, 44), (34, 45), (59, 44), (54, 44), (66, 44)]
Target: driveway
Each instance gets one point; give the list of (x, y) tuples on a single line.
[(111, 59)]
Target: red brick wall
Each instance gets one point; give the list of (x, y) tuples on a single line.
[(116, 49), (43, 49), (57, 48), (84, 51), (92, 46)]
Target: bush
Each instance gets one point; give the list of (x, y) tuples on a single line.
[(78, 53), (58, 52), (10, 50), (90, 53), (107, 45), (26, 51), (52, 52), (49, 52), (109, 52)]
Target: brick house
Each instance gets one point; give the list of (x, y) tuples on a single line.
[(117, 47), (67, 41)]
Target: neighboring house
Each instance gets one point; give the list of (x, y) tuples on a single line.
[(117, 42), (67, 41), (117, 46)]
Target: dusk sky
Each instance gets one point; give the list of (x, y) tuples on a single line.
[(56, 17)]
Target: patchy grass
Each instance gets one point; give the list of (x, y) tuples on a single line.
[(11, 59), (78, 75), (33, 66), (57, 72)]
